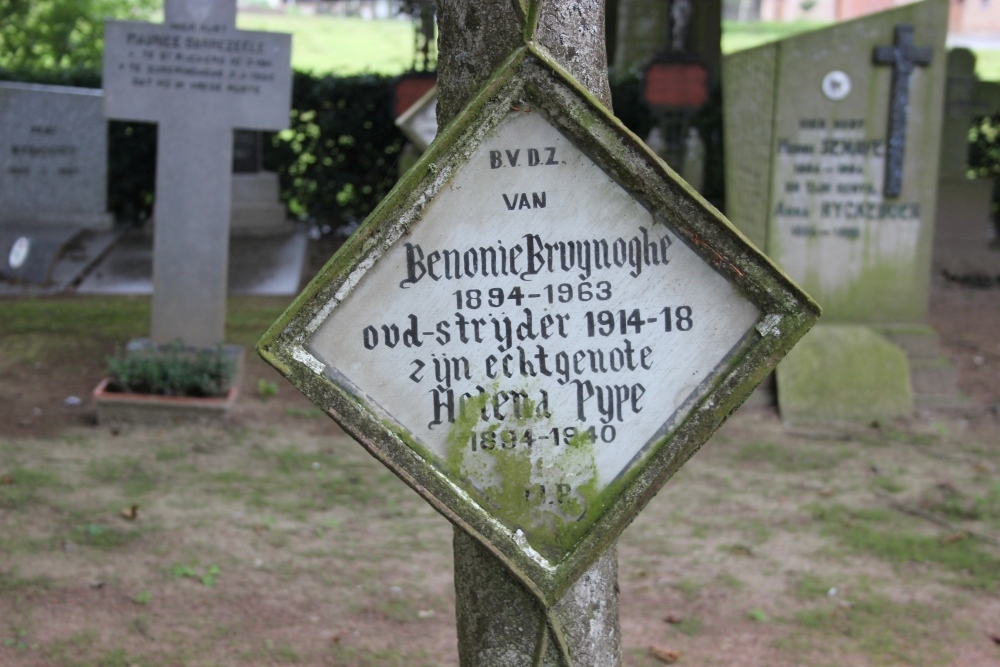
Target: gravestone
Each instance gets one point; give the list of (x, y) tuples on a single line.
[(53, 156), (419, 122), (409, 88), (198, 77), (643, 29), (536, 328), (256, 204), (832, 151), (675, 86), (964, 227), (248, 152), (53, 175)]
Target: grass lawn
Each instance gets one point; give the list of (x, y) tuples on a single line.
[(737, 36), (341, 45), (276, 540), (988, 65), (353, 46)]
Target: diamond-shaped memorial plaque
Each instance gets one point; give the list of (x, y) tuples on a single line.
[(539, 325)]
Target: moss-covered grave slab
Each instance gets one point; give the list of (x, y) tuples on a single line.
[(539, 325), (844, 373)]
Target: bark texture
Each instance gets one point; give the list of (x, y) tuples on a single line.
[(500, 622), (573, 32), (474, 38)]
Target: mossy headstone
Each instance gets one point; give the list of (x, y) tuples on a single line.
[(867, 380), (832, 167)]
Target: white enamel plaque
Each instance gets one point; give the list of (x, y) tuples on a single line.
[(536, 330)]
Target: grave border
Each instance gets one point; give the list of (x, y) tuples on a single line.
[(531, 73)]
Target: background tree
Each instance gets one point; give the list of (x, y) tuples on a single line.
[(60, 34), (423, 14)]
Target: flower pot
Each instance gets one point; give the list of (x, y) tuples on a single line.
[(117, 409)]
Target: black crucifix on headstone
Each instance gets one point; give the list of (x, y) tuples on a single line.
[(903, 56), (198, 78)]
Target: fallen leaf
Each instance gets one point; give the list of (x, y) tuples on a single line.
[(131, 513), (674, 619), (6, 479), (665, 655), (955, 537)]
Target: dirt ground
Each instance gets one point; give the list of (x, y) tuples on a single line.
[(276, 540)]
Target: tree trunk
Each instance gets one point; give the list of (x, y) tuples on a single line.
[(500, 622)]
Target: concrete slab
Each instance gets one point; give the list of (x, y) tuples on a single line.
[(257, 266)]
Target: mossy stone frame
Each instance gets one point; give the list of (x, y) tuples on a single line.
[(529, 78)]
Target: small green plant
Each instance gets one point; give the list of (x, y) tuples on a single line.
[(143, 598), (872, 531), (20, 487), (209, 578), (758, 615), (172, 370), (103, 537), (690, 626), (266, 389)]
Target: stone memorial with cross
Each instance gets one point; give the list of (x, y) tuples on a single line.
[(535, 330), (832, 158), (198, 78)]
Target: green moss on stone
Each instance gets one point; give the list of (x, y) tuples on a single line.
[(844, 373)]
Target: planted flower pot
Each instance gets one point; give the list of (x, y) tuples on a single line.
[(118, 406)]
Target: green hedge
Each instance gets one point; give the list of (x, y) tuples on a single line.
[(984, 156), (338, 159)]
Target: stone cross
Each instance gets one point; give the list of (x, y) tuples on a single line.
[(903, 56), (199, 78)]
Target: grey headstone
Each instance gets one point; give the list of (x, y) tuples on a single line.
[(247, 152), (198, 77), (959, 107), (832, 141), (812, 129), (53, 157), (964, 227), (419, 122)]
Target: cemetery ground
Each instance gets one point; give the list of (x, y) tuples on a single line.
[(277, 540)]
